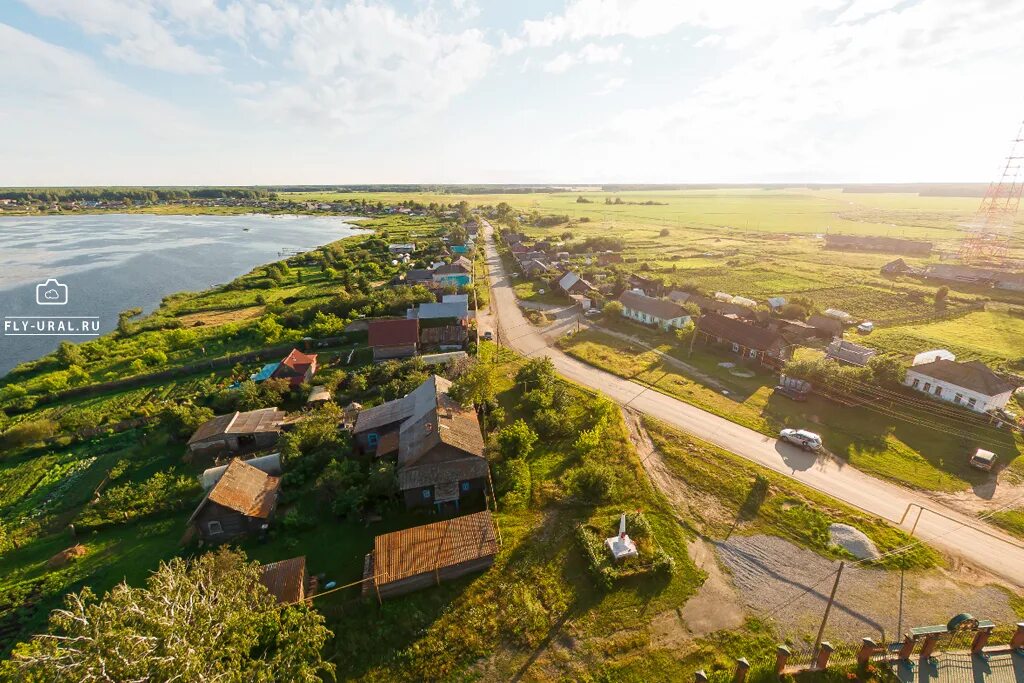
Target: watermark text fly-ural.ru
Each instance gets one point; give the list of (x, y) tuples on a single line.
[(41, 326)]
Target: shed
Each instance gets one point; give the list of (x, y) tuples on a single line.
[(394, 338), (416, 558), (271, 464), (318, 395), (241, 502), (238, 431), (286, 579), (848, 352)]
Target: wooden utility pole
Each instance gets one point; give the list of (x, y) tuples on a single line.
[(828, 608)]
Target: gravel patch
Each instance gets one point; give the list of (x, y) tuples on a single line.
[(855, 541), (769, 571)]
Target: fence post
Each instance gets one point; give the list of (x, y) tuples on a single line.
[(980, 641), (907, 649), (867, 649), (742, 668), (824, 652), (1017, 643), (781, 659), (929, 646)]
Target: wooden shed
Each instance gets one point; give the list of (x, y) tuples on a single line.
[(423, 556), (286, 580), (241, 502)]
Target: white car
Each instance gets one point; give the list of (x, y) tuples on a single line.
[(809, 441)]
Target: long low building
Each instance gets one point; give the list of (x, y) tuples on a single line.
[(972, 385), (237, 431), (652, 311), (423, 556)]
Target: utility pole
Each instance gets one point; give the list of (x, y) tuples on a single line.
[(828, 608)]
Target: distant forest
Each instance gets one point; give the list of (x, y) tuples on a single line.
[(150, 194)]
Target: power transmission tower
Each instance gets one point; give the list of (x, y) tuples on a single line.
[(994, 221)]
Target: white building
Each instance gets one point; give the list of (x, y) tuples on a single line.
[(651, 311), (972, 385)]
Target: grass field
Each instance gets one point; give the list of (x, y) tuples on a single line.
[(995, 338), (906, 451)]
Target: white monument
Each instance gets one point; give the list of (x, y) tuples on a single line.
[(622, 546)]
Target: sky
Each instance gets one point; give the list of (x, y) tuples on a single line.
[(196, 92)]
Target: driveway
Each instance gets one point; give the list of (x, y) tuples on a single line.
[(961, 535)]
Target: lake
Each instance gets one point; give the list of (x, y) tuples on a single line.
[(112, 262)]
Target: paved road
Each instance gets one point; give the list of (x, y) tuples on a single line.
[(1002, 555)]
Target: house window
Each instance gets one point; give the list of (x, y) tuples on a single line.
[(958, 398), (214, 528), (938, 390), (736, 347), (465, 486), (971, 402), (753, 353), (425, 493), (371, 439), (927, 386), (916, 382)]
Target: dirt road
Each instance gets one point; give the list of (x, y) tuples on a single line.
[(943, 527)]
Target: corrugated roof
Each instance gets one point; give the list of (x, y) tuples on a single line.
[(421, 549), (659, 308), (286, 580), (213, 427), (246, 489), (452, 309), (256, 421), (740, 332), (973, 375), (296, 363), (393, 332)]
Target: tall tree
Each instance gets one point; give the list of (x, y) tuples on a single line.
[(200, 620)]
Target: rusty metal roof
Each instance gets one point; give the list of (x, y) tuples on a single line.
[(430, 547), (246, 489), (251, 422), (286, 579)]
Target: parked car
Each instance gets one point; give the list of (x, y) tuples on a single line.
[(592, 312), (809, 441), (488, 336), (866, 327), (983, 460)]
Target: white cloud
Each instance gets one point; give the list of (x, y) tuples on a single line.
[(138, 35), (591, 53), (610, 86), (710, 40)]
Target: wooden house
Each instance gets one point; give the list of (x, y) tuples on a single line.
[(424, 556), (393, 338), (297, 368), (437, 445), (236, 432), (748, 340), (240, 503)]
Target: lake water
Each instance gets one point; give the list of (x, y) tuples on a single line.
[(112, 262)]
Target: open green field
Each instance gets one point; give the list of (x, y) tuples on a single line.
[(993, 337)]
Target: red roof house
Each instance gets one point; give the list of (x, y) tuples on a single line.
[(298, 368), (394, 338)]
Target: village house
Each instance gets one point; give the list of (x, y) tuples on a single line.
[(297, 368), (458, 310), (536, 268), (419, 276), (457, 273), (241, 502), (651, 311), (795, 330), (287, 580), (572, 283), (850, 353), (436, 443), (423, 556), (972, 384), (825, 326), (393, 338), (238, 431), (401, 248), (648, 286), (750, 341), (271, 464)]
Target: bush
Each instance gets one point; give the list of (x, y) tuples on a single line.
[(181, 421), (514, 484), (593, 482), (515, 440), (30, 432), (163, 492)]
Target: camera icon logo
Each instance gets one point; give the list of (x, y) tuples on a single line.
[(52, 293)]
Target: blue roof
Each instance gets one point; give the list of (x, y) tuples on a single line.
[(265, 372)]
